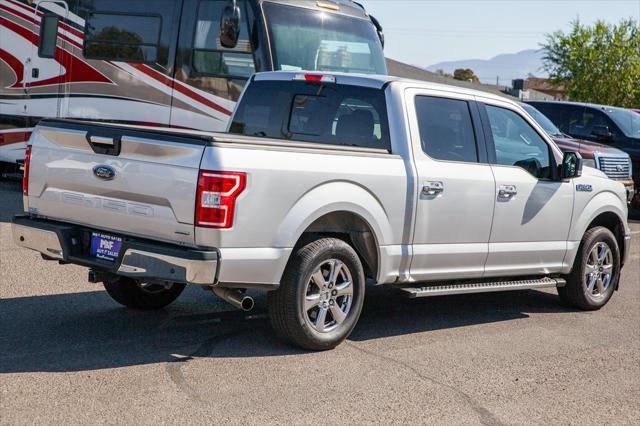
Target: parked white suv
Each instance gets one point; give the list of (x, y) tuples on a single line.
[(325, 182)]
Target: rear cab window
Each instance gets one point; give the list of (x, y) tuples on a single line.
[(332, 114)]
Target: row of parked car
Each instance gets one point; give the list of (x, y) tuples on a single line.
[(608, 138)]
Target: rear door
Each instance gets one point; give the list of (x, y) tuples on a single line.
[(120, 179), (456, 187)]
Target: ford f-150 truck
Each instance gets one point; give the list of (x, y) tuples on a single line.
[(325, 182)]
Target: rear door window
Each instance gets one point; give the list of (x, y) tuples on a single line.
[(446, 129), (329, 114)]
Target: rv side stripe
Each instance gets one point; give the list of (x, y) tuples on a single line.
[(30, 19), (185, 90), (26, 8)]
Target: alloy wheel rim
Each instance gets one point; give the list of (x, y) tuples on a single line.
[(328, 296), (598, 270)]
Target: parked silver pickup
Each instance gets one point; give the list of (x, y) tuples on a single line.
[(325, 183)]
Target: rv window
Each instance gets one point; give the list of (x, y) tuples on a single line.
[(122, 37), (48, 36), (209, 56)]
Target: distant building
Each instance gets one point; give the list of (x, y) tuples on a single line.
[(540, 89)]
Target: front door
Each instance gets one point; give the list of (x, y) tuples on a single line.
[(456, 187), (533, 208), (44, 70)]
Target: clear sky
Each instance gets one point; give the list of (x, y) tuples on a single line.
[(425, 32)]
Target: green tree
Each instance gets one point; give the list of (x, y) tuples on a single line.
[(598, 64), (465, 74)]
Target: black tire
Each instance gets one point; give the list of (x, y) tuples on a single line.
[(131, 294), (287, 312), (576, 292)]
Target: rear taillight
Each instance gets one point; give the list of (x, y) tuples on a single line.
[(216, 198), (25, 173)]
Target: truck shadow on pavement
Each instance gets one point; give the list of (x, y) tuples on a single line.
[(88, 331)]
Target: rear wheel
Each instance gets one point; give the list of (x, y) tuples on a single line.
[(321, 295), (595, 273), (141, 295)]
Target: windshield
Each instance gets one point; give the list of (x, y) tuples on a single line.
[(628, 121), (305, 39), (542, 120)]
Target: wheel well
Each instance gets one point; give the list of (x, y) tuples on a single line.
[(612, 222), (353, 229)]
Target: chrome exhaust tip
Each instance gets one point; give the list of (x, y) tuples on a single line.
[(235, 298)]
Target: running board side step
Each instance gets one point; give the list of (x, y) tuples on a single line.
[(480, 287)]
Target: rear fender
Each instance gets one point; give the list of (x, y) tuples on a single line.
[(344, 196)]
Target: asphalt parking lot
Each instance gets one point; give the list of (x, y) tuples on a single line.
[(70, 355)]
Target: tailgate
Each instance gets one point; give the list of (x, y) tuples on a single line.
[(130, 180)]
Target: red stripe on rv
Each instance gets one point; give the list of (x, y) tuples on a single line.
[(185, 90), (29, 9), (14, 63), (34, 22)]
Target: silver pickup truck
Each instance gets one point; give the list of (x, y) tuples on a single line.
[(325, 183)]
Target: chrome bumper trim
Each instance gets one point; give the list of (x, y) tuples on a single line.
[(43, 241), (158, 263), (140, 264)]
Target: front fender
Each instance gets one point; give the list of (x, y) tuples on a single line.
[(344, 196), (603, 202)]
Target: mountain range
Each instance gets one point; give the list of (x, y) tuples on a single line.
[(506, 67)]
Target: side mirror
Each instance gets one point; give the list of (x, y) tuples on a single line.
[(571, 165), (230, 25), (602, 132)]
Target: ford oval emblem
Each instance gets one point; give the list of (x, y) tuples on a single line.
[(104, 172)]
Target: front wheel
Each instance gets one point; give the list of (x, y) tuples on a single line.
[(595, 273), (141, 295), (321, 295)]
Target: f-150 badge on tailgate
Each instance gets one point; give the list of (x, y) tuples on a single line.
[(104, 172)]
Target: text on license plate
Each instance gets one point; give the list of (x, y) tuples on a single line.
[(105, 247)]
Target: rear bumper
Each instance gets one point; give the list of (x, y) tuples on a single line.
[(138, 258)]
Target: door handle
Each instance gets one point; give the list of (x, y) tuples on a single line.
[(432, 188), (507, 192), (101, 140)]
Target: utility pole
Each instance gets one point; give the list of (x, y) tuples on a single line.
[(498, 81)]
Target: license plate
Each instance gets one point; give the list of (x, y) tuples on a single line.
[(105, 247)]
